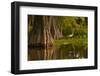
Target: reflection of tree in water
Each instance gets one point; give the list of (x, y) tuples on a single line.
[(41, 53), (72, 52), (51, 53)]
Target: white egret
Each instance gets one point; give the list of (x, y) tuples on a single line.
[(71, 35)]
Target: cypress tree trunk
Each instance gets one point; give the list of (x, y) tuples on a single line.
[(56, 29), (36, 36), (45, 30)]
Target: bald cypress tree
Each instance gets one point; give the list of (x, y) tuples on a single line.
[(44, 30)]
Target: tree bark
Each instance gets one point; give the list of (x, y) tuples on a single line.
[(45, 30)]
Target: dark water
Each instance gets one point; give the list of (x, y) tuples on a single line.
[(53, 53)]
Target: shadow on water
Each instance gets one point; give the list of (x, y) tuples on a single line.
[(57, 52)]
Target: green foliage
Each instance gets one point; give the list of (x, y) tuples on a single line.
[(75, 41), (67, 30), (79, 28), (76, 25)]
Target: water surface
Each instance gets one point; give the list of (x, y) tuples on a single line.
[(57, 52)]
